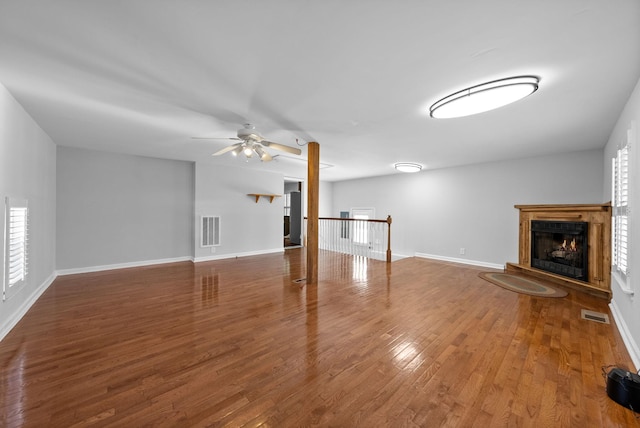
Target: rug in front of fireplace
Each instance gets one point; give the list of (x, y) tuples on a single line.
[(522, 284)]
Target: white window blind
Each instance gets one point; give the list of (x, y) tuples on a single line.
[(16, 241), (620, 214)]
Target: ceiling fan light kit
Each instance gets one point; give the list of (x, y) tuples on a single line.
[(408, 167), (236, 151), (484, 97), (251, 142)]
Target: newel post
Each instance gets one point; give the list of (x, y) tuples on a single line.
[(389, 239)]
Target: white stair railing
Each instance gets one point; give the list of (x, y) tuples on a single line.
[(359, 237)]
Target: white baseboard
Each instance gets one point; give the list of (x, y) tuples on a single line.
[(89, 269), (235, 255), (11, 322), (463, 261), (627, 338), (62, 272)]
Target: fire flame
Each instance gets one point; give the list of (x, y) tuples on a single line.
[(573, 247)]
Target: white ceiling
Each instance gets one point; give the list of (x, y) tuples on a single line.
[(357, 76)]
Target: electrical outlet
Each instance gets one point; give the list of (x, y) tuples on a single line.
[(462, 251), (213, 250)]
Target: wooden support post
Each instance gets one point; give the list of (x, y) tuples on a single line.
[(313, 182)]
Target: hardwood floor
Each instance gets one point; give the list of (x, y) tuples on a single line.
[(238, 343)]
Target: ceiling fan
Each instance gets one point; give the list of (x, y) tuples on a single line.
[(251, 142)]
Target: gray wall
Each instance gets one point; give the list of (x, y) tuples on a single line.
[(438, 212), (116, 210), (290, 186), (325, 203), (27, 171), (247, 227), (625, 307)]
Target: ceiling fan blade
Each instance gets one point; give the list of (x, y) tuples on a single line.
[(216, 138), (281, 147), (226, 149)]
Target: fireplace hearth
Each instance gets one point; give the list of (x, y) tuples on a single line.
[(560, 247)]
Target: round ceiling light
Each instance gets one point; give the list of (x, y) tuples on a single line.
[(408, 167), (484, 97)]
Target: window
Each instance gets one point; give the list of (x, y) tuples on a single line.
[(16, 248), (361, 227), (287, 204), (620, 215)]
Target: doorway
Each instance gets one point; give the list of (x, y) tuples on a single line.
[(293, 217)]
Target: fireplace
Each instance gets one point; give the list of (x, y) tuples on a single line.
[(560, 247), (585, 265)]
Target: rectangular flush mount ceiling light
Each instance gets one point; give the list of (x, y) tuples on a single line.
[(484, 97)]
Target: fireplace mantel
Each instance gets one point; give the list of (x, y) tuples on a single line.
[(599, 243)]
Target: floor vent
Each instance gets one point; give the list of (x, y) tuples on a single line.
[(595, 316)]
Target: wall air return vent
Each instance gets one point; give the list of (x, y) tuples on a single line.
[(210, 231)]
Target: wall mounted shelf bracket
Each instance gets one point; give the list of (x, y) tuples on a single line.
[(266, 195)]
